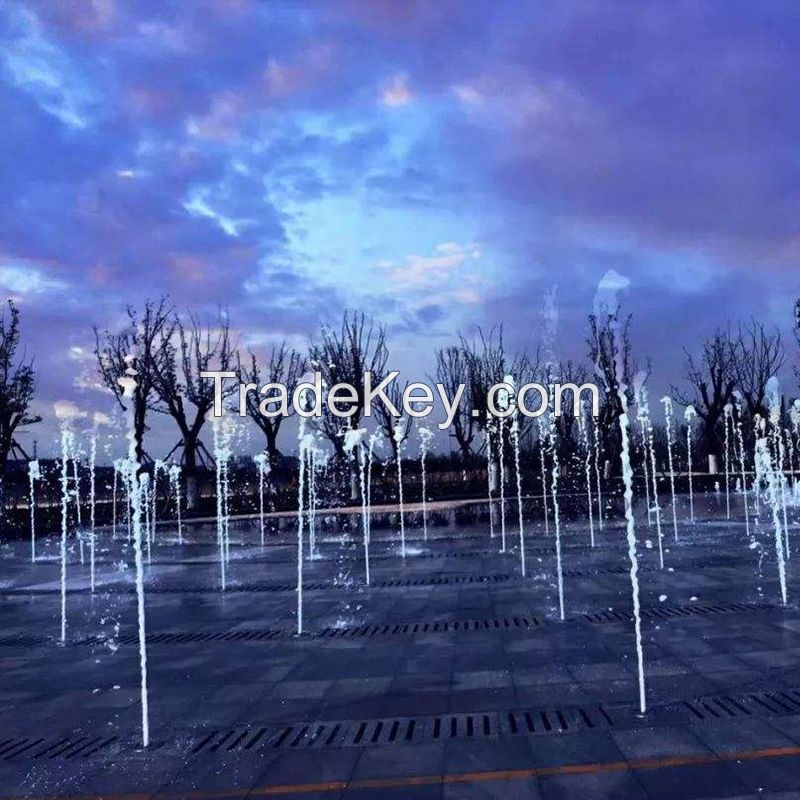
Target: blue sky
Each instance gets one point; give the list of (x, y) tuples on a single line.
[(438, 165)]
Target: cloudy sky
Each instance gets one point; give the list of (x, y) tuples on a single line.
[(439, 165)]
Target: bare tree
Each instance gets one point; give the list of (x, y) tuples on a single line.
[(140, 349), (189, 348), (345, 355), (490, 364), (388, 422), (569, 372), (711, 381), (757, 356), (17, 385), (454, 366), (610, 351), (286, 367)]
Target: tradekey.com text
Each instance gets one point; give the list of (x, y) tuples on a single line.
[(311, 398)]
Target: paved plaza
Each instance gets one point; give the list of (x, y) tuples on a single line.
[(451, 676)]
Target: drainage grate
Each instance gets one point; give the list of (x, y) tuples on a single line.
[(270, 588), (24, 641), (389, 583), (666, 612), (402, 730), (77, 747), (414, 628), (777, 703)]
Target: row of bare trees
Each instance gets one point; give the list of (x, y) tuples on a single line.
[(17, 387), (167, 351), (731, 368)]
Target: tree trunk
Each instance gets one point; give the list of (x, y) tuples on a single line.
[(190, 471)]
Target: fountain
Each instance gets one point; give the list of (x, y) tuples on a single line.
[(425, 436), (262, 465), (137, 492), (766, 476), (518, 471), (501, 460), (667, 403), (221, 430), (640, 391), (175, 482), (606, 302), (489, 466), (689, 416), (354, 445), (728, 411), (774, 402), (583, 426), (543, 471), (34, 474), (597, 449), (399, 433), (553, 434), (66, 414)]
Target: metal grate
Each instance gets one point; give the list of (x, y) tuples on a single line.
[(414, 628), (77, 747), (779, 703), (402, 730), (666, 612), (388, 583)]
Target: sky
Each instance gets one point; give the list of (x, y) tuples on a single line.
[(438, 165)]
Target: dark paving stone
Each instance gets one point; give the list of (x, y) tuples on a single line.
[(204, 685)]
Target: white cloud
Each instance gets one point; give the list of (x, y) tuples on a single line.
[(397, 92), (22, 279), (39, 68), (450, 274)]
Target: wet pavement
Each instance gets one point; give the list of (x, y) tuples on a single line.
[(451, 676)]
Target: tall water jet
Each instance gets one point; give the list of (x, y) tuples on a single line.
[(399, 433), (374, 439), (354, 445), (728, 411), (518, 472), (147, 501), (543, 471), (606, 302), (556, 471), (425, 436), (136, 493), (766, 474), (504, 405), (640, 392), (489, 468), (642, 420), (689, 416), (583, 426), (311, 480), (740, 438), (774, 400), (667, 403), (34, 474), (597, 449), (305, 441), (92, 461), (76, 482), (66, 413), (502, 461), (221, 431), (158, 467), (175, 483), (262, 465)]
